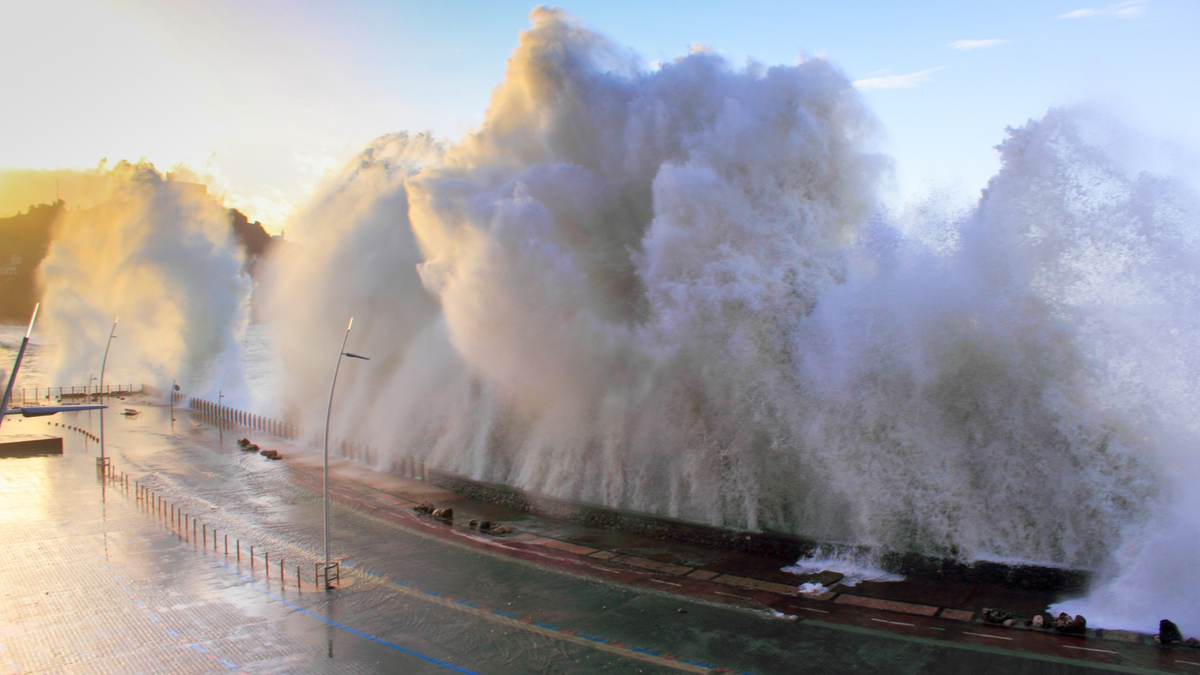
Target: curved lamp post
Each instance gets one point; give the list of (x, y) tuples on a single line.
[(112, 334), (328, 413)]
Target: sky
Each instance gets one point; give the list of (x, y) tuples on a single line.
[(263, 97)]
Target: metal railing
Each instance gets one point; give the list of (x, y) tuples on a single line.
[(64, 393), (407, 466)]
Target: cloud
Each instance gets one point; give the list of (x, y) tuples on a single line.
[(895, 81), (966, 45), (1130, 9)]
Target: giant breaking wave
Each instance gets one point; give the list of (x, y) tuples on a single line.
[(670, 290)]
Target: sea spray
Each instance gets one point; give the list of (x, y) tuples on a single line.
[(158, 254), (669, 291)]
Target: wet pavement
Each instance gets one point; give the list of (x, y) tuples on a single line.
[(106, 576)]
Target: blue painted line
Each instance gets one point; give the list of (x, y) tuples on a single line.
[(402, 583), (511, 616), (227, 664), (546, 625), (593, 639), (432, 593), (172, 633), (353, 631), (644, 651), (468, 604), (198, 648), (699, 663), (154, 618)]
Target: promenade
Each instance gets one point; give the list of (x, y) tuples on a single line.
[(99, 580)]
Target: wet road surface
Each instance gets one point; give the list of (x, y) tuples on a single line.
[(99, 581)]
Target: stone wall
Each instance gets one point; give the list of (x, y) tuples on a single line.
[(767, 544)]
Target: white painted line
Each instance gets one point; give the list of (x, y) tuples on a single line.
[(895, 623), (810, 609), (994, 637), (1187, 662), (666, 582), (1089, 649), (730, 595)]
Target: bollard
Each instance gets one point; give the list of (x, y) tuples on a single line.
[(193, 529), (298, 577), (282, 579), (252, 556), (226, 544), (238, 544), (204, 534), (214, 539), (267, 563)]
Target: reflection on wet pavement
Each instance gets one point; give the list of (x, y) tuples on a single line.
[(97, 581)]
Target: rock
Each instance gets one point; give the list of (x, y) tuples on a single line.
[(446, 513), (1010, 622), (243, 442), (501, 529), (485, 526), (472, 522), (423, 507), (1063, 623), (992, 615), (1192, 642), (682, 610), (1168, 633), (826, 578), (252, 447), (1039, 621)]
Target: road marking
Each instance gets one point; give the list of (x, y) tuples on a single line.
[(810, 609), (731, 595), (896, 623), (666, 582), (1089, 649), (994, 637), (1187, 662)]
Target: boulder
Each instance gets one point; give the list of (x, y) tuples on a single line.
[(485, 526), (1063, 623), (1192, 642), (243, 442), (1038, 621), (992, 615), (472, 523), (1168, 633), (826, 578), (423, 507)]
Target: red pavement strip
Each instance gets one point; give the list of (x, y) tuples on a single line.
[(702, 584)]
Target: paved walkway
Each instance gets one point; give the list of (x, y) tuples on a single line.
[(101, 581)]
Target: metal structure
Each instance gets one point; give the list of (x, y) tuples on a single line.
[(112, 334), (328, 414), (33, 411)]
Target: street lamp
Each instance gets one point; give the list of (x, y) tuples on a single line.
[(328, 413), (112, 334)]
